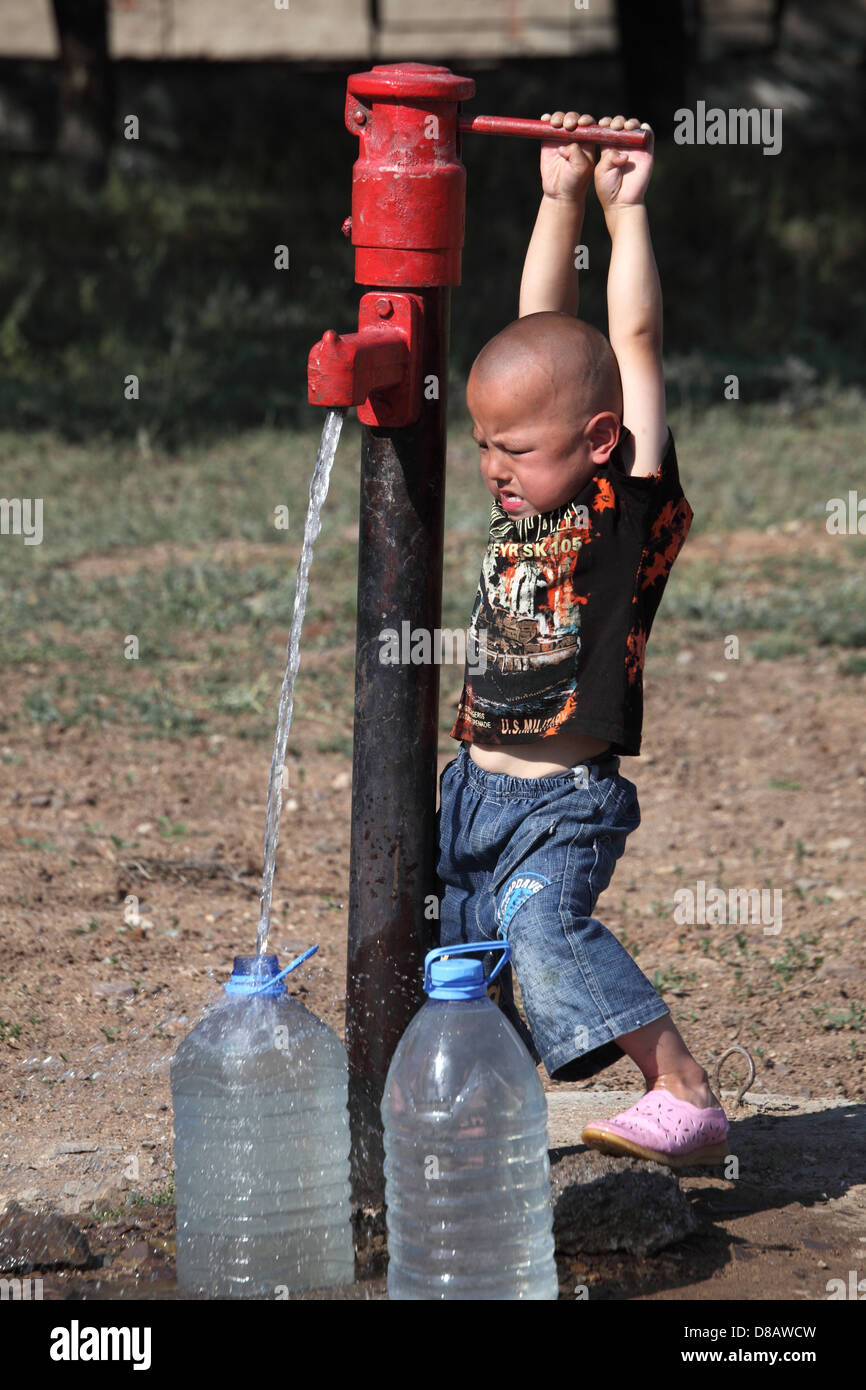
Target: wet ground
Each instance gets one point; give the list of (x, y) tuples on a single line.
[(761, 1233)]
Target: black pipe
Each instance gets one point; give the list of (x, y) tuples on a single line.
[(392, 856)]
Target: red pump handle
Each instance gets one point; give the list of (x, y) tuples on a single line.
[(540, 130)]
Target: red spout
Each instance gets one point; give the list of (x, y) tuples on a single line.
[(346, 369), (377, 368)]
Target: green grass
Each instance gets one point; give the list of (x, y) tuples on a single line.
[(673, 981), (854, 1017), (212, 624), (162, 1197), (796, 958), (785, 608)]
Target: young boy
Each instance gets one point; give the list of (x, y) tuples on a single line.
[(587, 519)]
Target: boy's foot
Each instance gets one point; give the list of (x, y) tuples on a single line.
[(663, 1129), (697, 1092)]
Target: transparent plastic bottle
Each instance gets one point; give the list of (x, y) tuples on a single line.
[(260, 1091), (467, 1173)]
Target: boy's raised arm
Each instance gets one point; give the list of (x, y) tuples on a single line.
[(549, 275), (634, 300)]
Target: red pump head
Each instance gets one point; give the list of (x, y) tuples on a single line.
[(408, 209), (408, 184)]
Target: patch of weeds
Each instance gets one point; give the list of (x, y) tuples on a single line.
[(776, 645), (246, 699), (171, 830), (853, 666), (9, 1030), (784, 784), (92, 706), (41, 708), (747, 952), (37, 844), (672, 980), (854, 1017), (158, 710), (163, 1197), (794, 958)]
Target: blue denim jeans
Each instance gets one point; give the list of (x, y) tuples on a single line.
[(524, 859)]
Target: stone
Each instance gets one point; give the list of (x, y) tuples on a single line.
[(602, 1203), (113, 989), (41, 1240)]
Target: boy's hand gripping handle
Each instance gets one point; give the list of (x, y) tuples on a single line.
[(540, 130)]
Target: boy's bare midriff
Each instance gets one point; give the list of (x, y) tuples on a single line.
[(545, 758)]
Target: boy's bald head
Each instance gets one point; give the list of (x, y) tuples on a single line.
[(566, 360)]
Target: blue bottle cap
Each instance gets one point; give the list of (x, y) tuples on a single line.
[(457, 979), (449, 973), (251, 974)]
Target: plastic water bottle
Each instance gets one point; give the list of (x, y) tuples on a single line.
[(467, 1173), (260, 1091)]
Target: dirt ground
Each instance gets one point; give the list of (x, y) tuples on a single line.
[(118, 929)]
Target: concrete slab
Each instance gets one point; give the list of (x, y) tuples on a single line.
[(569, 1111), (787, 1220)]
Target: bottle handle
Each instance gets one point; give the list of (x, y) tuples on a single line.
[(462, 949)]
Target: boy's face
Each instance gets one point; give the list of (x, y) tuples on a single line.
[(536, 451)]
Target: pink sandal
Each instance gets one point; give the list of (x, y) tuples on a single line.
[(663, 1129)]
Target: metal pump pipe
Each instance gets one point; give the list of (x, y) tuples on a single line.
[(408, 208)]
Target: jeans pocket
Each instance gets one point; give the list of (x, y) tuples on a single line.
[(520, 849)]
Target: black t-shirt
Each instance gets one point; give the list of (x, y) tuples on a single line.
[(564, 607)]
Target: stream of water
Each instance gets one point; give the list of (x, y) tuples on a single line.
[(318, 492)]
